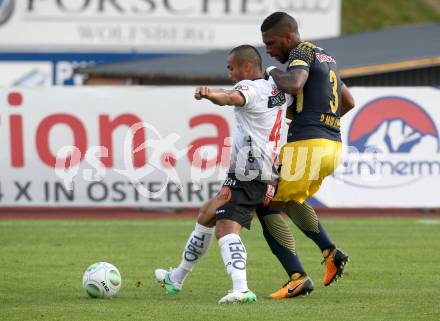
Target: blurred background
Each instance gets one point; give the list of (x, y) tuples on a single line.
[(98, 120)]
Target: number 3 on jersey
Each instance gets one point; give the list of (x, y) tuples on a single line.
[(335, 101)]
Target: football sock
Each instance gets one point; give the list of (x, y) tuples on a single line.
[(196, 246), (304, 216), (234, 257), (280, 240)]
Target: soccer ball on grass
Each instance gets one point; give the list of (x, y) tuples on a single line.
[(102, 280)]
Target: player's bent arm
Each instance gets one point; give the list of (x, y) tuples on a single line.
[(291, 82), (221, 96), (289, 112), (347, 100), (227, 97)]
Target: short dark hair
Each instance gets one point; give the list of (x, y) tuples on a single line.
[(282, 20), (248, 53)]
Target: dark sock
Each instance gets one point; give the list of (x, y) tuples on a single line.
[(304, 216), (280, 239)]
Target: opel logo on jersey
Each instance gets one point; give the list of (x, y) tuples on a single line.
[(6, 9)]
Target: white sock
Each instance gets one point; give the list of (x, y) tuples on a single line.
[(197, 245), (234, 256)]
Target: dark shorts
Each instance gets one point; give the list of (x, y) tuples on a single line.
[(243, 197)]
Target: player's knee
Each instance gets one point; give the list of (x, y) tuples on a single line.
[(206, 217), (226, 224), (224, 227), (263, 211)]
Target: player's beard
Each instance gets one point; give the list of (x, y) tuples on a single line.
[(284, 59)]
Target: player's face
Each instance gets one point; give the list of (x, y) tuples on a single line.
[(277, 45), (236, 70)]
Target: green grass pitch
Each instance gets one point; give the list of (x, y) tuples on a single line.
[(393, 273)]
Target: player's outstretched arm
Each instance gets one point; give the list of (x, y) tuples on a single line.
[(347, 100), (220, 96), (291, 82)]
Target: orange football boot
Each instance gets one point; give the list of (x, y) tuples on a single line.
[(335, 261), (298, 285)]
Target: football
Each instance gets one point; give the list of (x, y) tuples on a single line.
[(102, 280)]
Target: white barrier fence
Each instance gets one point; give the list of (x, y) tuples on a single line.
[(153, 25), (81, 147)]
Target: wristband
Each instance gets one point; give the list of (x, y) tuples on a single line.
[(269, 69)]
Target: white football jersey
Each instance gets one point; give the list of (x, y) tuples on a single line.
[(260, 122)]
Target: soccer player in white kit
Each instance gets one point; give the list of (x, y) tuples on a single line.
[(259, 108)]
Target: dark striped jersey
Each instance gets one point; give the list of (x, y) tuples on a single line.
[(317, 108)]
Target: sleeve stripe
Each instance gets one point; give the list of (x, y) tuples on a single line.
[(244, 97)]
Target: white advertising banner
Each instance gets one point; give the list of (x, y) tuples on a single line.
[(157, 147), (392, 151), (25, 73), (154, 25), (111, 146)]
